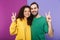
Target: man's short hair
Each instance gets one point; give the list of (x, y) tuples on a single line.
[(34, 3)]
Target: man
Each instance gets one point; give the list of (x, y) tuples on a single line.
[(40, 25)]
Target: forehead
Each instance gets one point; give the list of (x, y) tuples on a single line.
[(27, 9), (33, 6)]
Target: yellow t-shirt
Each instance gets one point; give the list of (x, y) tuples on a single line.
[(21, 29)]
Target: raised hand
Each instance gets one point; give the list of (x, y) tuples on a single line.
[(13, 17), (48, 17)]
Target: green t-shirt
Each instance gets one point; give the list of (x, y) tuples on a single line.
[(39, 28)]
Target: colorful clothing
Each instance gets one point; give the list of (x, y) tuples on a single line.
[(21, 30), (38, 28)]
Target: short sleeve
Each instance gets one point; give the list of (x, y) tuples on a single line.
[(45, 26)]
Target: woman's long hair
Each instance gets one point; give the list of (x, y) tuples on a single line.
[(21, 15)]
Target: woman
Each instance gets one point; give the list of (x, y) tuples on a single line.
[(20, 25)]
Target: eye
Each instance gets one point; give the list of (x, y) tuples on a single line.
[(24, 11), (35, 8), (31, 8)]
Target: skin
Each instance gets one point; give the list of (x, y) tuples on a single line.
[(26, 14), (34, 11)]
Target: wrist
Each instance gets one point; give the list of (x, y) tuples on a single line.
[(49, 22)]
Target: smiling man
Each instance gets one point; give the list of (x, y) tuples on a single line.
[(40, 25)]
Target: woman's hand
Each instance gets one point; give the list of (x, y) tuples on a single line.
[(13, 17)]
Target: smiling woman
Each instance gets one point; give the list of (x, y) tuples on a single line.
[(20, 26)]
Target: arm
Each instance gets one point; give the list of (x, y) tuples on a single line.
[(50, 29), (49, 20), (13, 28)]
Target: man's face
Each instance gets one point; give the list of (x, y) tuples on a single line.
[(34, 9)]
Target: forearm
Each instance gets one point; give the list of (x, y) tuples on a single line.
[(13, 28), (50, 29)]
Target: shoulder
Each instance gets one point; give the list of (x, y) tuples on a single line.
[(43, 18), (18, 19)]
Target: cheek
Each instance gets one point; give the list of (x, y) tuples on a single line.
[(31, 10), (29, 13), (25, 14), (35, 9)]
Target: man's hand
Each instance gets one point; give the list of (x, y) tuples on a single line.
[(48, 17)]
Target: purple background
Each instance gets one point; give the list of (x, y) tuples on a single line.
[(54, 7), (6, 9)]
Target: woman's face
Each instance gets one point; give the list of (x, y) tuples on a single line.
[(26, 12)]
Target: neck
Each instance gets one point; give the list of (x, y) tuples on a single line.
[(25, 18), (38, 16)]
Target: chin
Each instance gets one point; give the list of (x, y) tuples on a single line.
[(27, 16), (34, 14)]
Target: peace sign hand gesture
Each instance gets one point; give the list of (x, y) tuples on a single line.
[(48, 17), (13, 17)]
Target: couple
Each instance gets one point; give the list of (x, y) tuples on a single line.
[(29, 25)]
